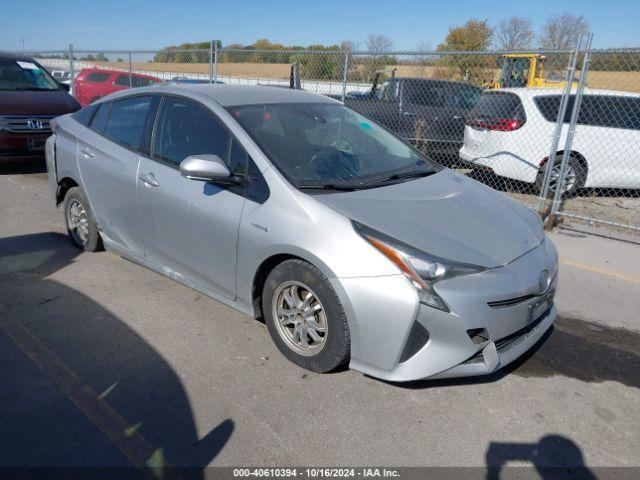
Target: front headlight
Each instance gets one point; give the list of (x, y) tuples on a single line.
[(422, 269)]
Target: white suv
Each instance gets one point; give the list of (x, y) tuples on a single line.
[(510, 130)]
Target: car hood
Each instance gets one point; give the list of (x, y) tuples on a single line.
[(447, 215), (53, 102)]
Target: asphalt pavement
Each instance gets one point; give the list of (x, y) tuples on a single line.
[(105, 363)]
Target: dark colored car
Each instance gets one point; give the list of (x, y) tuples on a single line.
[(430, 113), (94, 83), (29, 98)]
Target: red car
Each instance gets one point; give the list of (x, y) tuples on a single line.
[(94, 83)]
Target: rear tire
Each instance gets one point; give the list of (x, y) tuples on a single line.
[(81, 226), (305, 318), (576, 176)]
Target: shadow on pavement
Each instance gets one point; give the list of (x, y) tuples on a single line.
[(42, 427), (554, 457), (23, 167)]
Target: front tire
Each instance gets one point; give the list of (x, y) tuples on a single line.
[(81, 226), (305, 318)]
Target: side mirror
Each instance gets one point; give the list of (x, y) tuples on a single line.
[(208, 168), (64, 86)]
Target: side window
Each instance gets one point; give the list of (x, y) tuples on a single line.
[(127, 121), (122, 80), (186, 128), (238, 159), (99, 120), (97, 77), (84, 115), (610, 111), (549, 106)]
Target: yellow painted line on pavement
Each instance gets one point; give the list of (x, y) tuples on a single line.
[(602, 271), (131, 443)]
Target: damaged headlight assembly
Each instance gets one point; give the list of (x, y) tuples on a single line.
[(422, 269)]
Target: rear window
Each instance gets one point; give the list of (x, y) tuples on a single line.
[(495, 105), (97, 77), (127, 120), (84, 115), (610, 111)]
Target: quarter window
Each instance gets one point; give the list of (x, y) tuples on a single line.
[(99, 120), (127, 121), (84, 115), (185, 128)]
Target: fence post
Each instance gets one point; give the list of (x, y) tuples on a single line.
[(557, 197), (562, 110), (215, 62), (72, 70), (345, 75), (130, 72), (211, 61)]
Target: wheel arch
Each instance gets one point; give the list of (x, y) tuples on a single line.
[(64, 185), (272, 261)]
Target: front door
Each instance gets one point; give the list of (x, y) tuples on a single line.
[(190, 227)]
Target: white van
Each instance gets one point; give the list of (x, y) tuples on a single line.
[(509, 133)]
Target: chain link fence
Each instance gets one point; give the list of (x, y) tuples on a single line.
[(558, 130)]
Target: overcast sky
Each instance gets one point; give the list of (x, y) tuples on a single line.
[(157, 23)]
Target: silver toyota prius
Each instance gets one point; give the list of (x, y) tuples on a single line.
[(350, 245)]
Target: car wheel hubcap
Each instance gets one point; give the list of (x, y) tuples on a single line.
[(78, 222), (569, 177), (300, 318)]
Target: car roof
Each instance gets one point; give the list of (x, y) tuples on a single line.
[(535, 92), (14, 56), (228, 95)]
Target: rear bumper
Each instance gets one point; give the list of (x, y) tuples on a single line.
[(505, 164)]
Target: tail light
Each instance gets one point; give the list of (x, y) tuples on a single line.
[(498, 124)]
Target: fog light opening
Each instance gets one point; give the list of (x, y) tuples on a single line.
[(478, 335)]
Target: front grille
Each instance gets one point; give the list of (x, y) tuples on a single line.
[(26, 123), (510, 301)]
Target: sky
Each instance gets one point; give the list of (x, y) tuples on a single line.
[(154, 24)]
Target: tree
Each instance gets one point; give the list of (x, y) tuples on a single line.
[(561, 32), (514, 33), (377, 46), (473, 36)]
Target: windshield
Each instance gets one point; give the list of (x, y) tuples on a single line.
[(24, 75), (320, 144), (515, 72)]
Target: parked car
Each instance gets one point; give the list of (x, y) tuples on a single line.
[(290, 207), (510, 131), (190, 80), (29, 98), (94, 83), (62, 76), (430, 111)]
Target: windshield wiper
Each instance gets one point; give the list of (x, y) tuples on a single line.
[(33, 89), (400, 176), (329, 186)]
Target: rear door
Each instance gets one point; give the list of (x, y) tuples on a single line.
[(109, 152), (190, 226)]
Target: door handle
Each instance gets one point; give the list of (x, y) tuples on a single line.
[(86, 153), (149, 179)]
